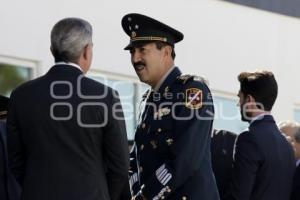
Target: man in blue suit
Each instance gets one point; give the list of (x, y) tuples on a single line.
[(264, 163), (9, 190)]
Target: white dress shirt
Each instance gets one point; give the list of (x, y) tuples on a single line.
[(69, 63)]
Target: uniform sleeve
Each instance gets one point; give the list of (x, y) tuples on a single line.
[(190, 146), (133, 172), (116, 149), (16, 150), (245, 166)]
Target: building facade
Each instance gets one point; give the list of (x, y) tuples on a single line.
[(221, 40)]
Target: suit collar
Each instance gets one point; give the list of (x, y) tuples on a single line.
[(259, 117), (264, 118), (70, 64), (65, 68)]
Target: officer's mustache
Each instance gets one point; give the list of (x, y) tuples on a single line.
[(139, 65)]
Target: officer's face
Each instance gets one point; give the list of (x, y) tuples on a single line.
[(148, 61)]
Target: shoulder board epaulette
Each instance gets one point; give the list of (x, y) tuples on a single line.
[(187, 77), (184, 78), (201, 79)]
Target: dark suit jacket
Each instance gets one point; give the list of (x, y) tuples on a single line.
[(264, 163), (3, 169), (296, 185), (9, 188), (222, 144), (66, 141)]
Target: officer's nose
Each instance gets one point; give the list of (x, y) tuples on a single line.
[(135, 56)]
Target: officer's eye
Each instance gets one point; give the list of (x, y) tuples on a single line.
[(142, 49), (131, 51)]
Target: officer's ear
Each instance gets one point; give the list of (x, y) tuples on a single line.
[(167, 51)]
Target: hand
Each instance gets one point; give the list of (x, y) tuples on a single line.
[(138, 197)]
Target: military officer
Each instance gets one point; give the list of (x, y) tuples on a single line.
[(171, 154)]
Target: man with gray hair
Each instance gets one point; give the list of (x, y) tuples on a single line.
[(66, 132), (292, 131)]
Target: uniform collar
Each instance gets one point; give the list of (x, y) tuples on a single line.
[(69, 63), (170, 77), (158, 85)]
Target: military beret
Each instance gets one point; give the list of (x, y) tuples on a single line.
[(141, 29)]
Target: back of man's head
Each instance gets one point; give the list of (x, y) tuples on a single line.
[(261, 85), (69, 37), (291, 130)]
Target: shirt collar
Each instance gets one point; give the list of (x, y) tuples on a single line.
[(260, 116), (69, 63), (161, 81)]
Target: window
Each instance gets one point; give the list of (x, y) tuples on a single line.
[(13, 72), (130, 92), (227, 115), (297, 114)]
